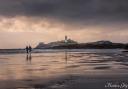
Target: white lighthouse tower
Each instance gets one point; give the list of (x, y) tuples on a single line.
[(66, 39)]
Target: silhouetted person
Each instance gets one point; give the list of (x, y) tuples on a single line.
[(27, 49), (30, 49)]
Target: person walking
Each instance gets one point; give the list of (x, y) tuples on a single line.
[(30, 49), (27, 49)]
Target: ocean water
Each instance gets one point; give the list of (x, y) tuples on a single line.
[(48, 63)]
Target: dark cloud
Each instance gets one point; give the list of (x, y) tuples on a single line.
[(71, 10)]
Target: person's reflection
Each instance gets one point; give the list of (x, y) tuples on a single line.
[(66, 56), (29, 58)]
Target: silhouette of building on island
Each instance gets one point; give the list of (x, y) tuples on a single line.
[(66, 41)]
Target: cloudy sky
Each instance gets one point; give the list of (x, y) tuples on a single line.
[(24, 22)]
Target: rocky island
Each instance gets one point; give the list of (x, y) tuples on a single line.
[(71, 44)]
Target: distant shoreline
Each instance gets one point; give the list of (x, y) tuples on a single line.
[(16, 49), (23, 51), (75, 45)]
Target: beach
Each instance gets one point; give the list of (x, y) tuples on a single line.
[(65, 69)]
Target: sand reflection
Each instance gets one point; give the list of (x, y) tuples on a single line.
[(28, 58)]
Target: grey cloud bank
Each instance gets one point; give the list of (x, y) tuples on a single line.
[(70, 10)]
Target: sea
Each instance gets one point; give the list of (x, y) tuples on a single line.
[(42, 63)]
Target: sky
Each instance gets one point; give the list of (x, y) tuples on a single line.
[(28, 22)]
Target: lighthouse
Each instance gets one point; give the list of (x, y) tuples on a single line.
[(66, 39)]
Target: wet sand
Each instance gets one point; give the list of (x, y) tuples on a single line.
[(69, 82), (104, 69)]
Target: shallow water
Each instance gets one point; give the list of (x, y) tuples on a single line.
[(48, 64)]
